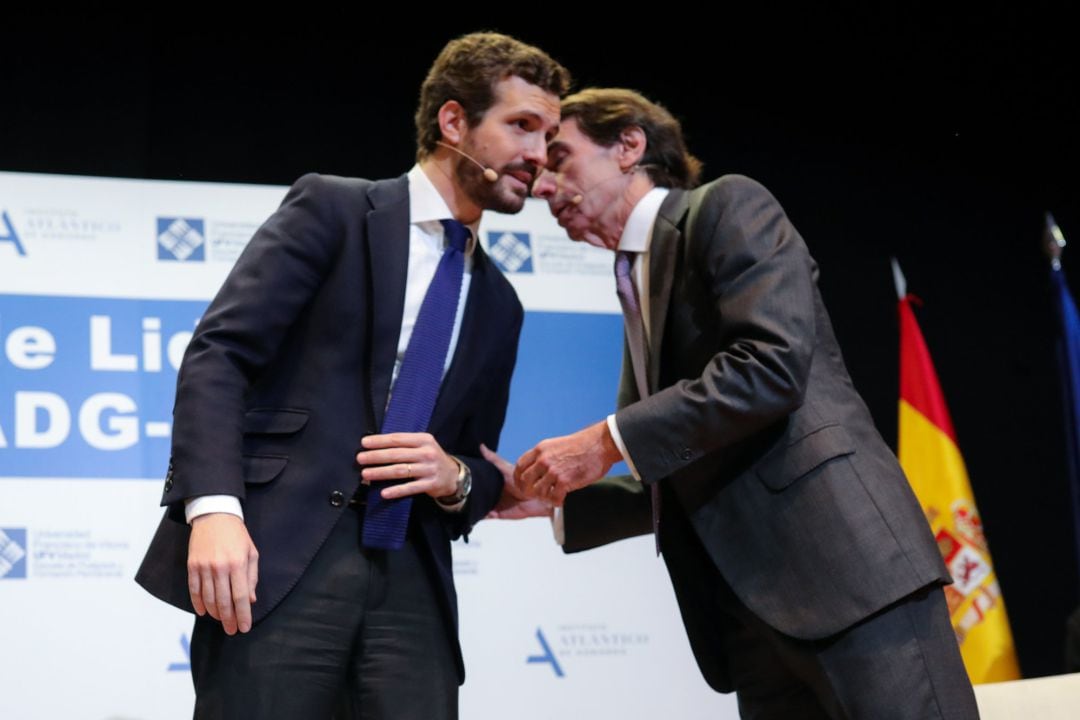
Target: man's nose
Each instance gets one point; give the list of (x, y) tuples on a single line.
[(545, 185), (535, 151)]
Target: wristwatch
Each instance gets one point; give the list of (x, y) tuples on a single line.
[(464, 485)]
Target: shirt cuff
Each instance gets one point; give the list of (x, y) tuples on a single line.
[(613, 427), (558, 525), (206, 504)]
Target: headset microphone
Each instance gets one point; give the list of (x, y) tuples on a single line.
[(489, 174), (579, 198)]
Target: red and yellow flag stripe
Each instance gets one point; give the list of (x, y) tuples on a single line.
[(935, 468)]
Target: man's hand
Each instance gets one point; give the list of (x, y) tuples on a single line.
[(397, 456), (558, 466), (223, 570), (513, 505)]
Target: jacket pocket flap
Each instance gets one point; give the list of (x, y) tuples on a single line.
[(270, 421), (785, 465), (260, 469)]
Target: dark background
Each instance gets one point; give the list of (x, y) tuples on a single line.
[(940, 139)]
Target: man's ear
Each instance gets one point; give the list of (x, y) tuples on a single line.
[(631, 148), (452, 122)]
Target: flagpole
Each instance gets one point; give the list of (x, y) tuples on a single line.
[(899, 280), (1053, 242)]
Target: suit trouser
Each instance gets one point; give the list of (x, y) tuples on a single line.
[(901, 663), (362, 635)]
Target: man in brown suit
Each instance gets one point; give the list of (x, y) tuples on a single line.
[(807, 577)]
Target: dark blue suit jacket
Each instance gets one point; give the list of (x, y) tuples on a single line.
[(291, 366)]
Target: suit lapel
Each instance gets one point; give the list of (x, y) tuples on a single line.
[(388, 248), (663, 249)]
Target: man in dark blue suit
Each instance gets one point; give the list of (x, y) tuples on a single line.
[(285, 456)]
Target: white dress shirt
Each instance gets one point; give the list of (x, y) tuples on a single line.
[(426, 243), (636, 237)]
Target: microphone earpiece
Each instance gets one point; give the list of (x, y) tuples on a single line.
[(489, 174), (580, 197)]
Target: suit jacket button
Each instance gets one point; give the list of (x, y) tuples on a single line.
[(337, 498), (686, 454), (168, 480)]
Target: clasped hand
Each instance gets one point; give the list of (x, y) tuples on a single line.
[(546, 474)]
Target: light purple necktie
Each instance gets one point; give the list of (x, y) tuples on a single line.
[(635, 339)]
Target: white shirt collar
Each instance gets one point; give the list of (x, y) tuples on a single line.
[(637, 234), (427, 207)]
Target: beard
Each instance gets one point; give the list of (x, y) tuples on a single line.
[(502, 195)]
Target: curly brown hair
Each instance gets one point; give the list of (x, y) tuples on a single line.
[(467, 70)]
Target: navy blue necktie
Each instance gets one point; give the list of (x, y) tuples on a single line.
[(412, 398)]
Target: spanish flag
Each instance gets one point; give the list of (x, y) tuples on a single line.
[(931, 459)]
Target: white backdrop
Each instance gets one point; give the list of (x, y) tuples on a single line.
[(101, 283)]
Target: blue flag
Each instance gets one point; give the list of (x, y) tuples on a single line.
[(1069, 362)]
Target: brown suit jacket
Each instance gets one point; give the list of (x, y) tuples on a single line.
[(756, 433)]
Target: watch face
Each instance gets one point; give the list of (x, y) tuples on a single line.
[(466, 484)]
